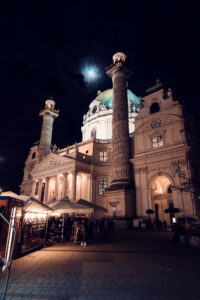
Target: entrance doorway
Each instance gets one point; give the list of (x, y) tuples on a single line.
[(161, 195)]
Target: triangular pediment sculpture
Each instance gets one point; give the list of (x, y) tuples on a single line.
[(50, 162)]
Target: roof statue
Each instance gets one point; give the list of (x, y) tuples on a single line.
[(106, 99), (119, 57)]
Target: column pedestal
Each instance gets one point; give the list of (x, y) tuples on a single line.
[(120, 203)]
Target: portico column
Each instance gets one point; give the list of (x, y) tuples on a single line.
[(149, 192), (46, 193), (89, 178), (56, 187), (93, 188), (33, 189), (64, 184), (73, 189)]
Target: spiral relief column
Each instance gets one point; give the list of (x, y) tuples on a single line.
[(119, 195), (119, 73)]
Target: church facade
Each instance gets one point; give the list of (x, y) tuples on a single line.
[(156, 150)]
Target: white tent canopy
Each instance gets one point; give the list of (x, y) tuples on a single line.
[(65, 206)]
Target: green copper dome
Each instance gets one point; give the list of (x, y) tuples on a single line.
[(106, 98)]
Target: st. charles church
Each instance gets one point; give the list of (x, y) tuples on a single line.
[(129, 161)]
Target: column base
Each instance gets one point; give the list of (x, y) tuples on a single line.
[(120, 202)]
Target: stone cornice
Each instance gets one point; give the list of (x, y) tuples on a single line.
[(166, 147), (158, 154), (46, 109), (162, 196), (131, 115)]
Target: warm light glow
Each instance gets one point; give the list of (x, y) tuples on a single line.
[(32, 216), (55, 214), (160, 185)]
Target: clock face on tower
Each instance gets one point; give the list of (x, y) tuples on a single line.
[(156, 123)]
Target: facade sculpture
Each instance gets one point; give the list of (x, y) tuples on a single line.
[(127, 160)]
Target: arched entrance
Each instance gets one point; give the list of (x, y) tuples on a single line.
[(161, 196)]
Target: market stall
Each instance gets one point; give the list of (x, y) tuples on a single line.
[(63, 209), (34, 225)]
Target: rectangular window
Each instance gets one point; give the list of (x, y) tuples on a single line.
[(102, 185), (103, 156), (157, 141)]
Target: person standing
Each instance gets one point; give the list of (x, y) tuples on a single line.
[(164, 225)]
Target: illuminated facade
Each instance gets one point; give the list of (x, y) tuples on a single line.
[(157, 155), (161, 168)]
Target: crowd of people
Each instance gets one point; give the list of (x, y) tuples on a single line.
[(79, 230), (147, 224)]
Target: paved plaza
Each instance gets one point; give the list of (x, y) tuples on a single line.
[(130, 265)]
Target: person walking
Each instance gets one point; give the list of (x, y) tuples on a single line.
[(164, 225), (83, 234)]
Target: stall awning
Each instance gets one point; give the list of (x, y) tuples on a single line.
[(65, 206), (91, 205), (33, 205)]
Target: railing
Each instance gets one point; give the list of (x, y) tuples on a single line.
[(8, 260)]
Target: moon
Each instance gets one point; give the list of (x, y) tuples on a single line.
[(90, 73)]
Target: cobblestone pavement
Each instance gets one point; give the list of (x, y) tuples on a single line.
[(130, 266)]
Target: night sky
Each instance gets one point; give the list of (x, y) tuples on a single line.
[(45, 45)]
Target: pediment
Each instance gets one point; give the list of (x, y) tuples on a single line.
[(158, 121), (52, 161)]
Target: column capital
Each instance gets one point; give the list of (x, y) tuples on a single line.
[(119, 68), (119, 65), (74, 172)]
